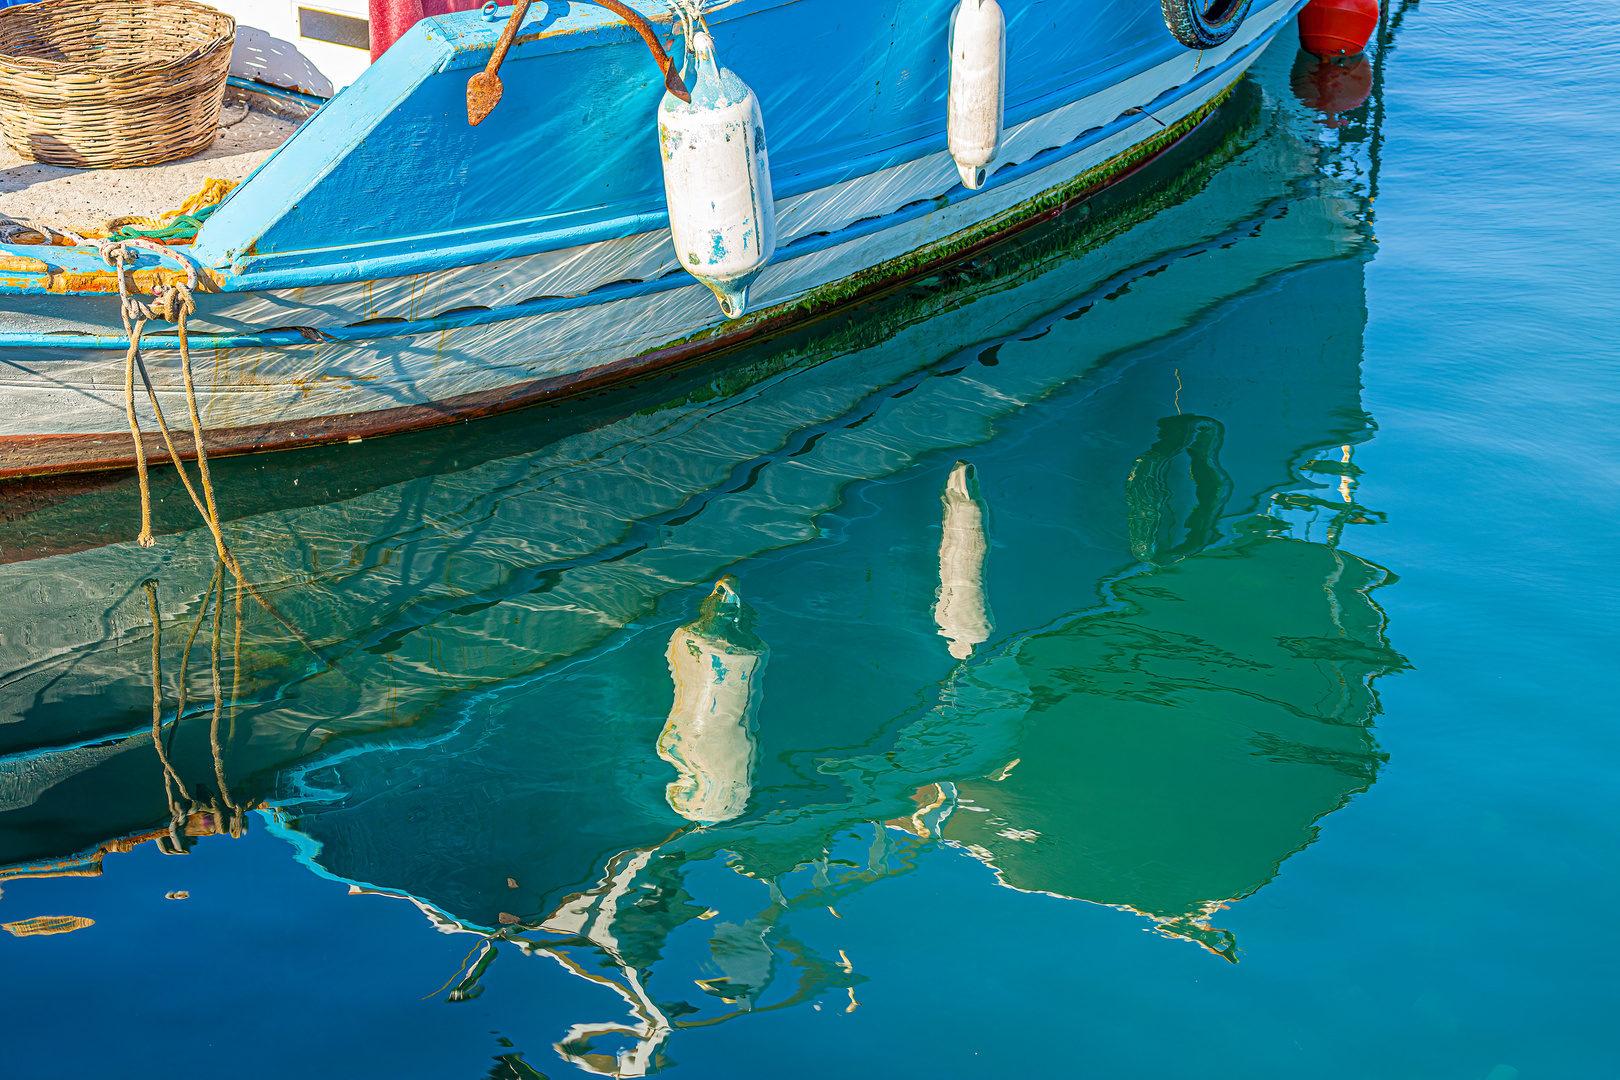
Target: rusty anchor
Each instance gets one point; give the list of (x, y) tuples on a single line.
[(484, 88)]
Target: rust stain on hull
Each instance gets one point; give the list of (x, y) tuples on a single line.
[(19, 264), (64, 282)]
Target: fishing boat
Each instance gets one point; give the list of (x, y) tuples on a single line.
[(647, 186), (546, 566), (360, 545)]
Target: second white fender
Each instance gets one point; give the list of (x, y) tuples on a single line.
[(978, 94)]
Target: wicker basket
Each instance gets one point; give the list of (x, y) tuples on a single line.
[(107, 84)]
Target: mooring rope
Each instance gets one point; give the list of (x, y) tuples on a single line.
[(690, 14), (174, 303), (179, 227), (145, 537), (167, 306)]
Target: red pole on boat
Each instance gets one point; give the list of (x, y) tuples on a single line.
[(390, 19), (1337, 27)]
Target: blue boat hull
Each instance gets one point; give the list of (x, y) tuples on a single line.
[(490, 268)]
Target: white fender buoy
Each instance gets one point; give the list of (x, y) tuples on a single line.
[(961, 610), (717, 180), (716, 663), (978, 97)]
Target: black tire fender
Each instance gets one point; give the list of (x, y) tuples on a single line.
[(1204, 24)]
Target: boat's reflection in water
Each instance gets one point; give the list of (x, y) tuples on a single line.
[(1190, 734), (1177, 688), (1159, 398)]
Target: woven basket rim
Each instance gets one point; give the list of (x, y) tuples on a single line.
[(154, 62)]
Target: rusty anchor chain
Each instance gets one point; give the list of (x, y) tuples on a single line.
[(484, 89)]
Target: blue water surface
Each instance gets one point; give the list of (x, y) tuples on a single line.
[(1261, 728)]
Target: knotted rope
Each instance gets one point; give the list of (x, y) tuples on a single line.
[(171, 303), (174, 303), (690, 14)]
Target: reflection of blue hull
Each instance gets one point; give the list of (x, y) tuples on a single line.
[(392, 267), (1271, 712), (600, 704)]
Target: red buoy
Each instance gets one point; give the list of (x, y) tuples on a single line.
[(1337, 27)]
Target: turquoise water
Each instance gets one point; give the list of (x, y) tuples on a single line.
[(1261, 727)]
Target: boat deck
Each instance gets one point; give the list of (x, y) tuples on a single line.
[(84, 200)]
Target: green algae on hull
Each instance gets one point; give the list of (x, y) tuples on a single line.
[(825, 299), (1077, 227)]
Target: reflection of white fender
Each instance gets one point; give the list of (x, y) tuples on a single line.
[(961, 610), (978, 91), (716, 664)]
